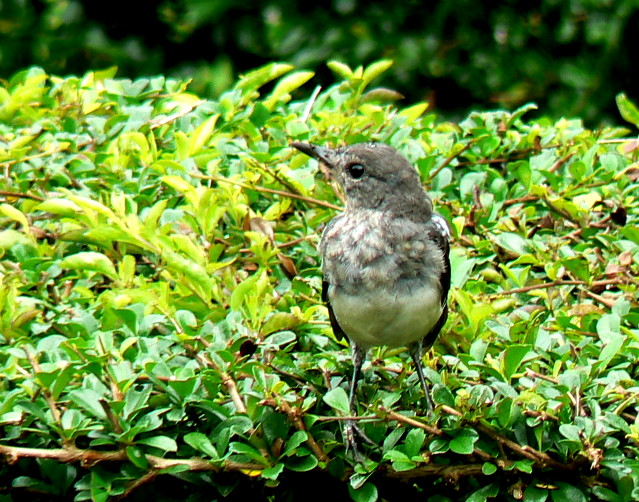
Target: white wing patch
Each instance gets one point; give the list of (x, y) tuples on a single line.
[(442, 225)]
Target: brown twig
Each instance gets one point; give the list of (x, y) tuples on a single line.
[(544, 285), (227, 380), (451, 473), (282, 193), (350, 418), (539, 457), (526, 451), (17, 195), (298, 379), (520, 200), (450, 159), (89, 458), (55, 412), (48, 153), (391, 415), (561, 162), (231, 388), (600, 299), (533, 374), (145, 478), (294, 416), (171, 118)]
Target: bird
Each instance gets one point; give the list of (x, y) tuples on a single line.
[(385, 260)]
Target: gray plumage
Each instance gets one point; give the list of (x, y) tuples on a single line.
[(385, 259)]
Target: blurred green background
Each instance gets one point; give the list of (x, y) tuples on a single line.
[(570, 57)]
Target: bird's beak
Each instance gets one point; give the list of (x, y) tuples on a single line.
[(324, 155)]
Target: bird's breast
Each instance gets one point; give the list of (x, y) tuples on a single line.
[(386, 317), (369, 252)]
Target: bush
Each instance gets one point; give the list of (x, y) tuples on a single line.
[(162, 332)]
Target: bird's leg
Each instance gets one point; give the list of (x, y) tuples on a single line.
[(416, 355), (350, 427)]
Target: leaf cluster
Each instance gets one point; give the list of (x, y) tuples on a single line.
[(160, 314)]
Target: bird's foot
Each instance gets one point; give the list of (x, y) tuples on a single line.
[(430, 407), (350, 430)]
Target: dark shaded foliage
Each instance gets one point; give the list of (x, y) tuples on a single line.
[(570, 57)]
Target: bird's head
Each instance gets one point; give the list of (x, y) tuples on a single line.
[(373, 176)]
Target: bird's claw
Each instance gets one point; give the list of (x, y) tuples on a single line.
[(350, 430)]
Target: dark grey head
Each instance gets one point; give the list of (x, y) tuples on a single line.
[(373, 175)]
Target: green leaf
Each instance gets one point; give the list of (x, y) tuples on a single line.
[(89, 400), (483, 494), (375, 70), (202, 443), (338, 400), (567, 493), (505, 409), (488, 468), (16, 215), (249, 451), (443, 395), (279, 339), (60, 206), (400, 461), (512, 359), (137, 457), (414, 442), (611, 349), (464, 442), (439, 445), (244, 289), (413, 112), (341, 69), (280, 321), (161, 442), (302, 464), (365, 493), (273, 472), (571, 432), (294, 442), (91, 261), (202, 135), (535, 494), (285, 86), (257, 78), (628, 109), (514, 243), (519, 112)]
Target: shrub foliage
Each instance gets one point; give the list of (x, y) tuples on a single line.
[(161, 328)]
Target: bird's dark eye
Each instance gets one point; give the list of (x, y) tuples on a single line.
[(355, 171)]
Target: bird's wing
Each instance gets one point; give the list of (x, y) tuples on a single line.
[(337, 329), (439, 233)]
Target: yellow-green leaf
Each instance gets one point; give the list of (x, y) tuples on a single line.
[(92, 261), (375, 70), (285, 86), (413, 112), (627, 109), (202, 135), (341, 69), (61, 206), (15, 214)]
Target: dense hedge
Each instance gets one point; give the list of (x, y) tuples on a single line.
[(161, 330), (570, 57)]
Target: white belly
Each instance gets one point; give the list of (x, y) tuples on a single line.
[(377, 318)]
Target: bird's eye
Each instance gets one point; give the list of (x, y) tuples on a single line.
[(355, 171)]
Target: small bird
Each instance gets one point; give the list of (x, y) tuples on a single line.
[(385, 259)]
